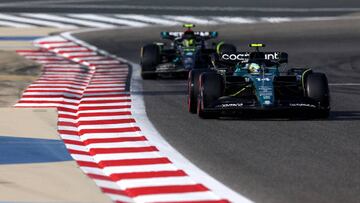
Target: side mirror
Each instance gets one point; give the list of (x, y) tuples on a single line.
[(165, 35), (214, 34)]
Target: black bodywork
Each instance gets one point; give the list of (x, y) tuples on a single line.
[(176, 58)]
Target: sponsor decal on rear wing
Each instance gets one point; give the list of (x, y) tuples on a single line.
[(244, 57), (173, 35)]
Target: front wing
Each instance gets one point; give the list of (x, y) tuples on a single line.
[(239, 105)]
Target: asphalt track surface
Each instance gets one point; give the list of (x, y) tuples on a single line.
[(267, 160), (176, 7)]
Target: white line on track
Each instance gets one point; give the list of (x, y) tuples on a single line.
[(50, 99), (104, 111), (154, 182), (109, 20), (70, 137), (61, 44), (69, 20), (56, 88), (77, 147), (79, 157), (99, 118), (189, 196), (104, 98), (120, 144), (107, 184), (52, 93), (64, 66), (73, 106), (235, 19), (191, 19), (35, 21), (149, 19), (49, 62), (80, 54), (102, 94), (74, 49), (17, 25), (95, 127), (89, 58), (86, 136), (275, 19)]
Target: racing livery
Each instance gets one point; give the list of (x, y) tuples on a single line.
[(184, 53), (251, 81)]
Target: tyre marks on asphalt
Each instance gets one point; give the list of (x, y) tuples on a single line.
[(96, 124)]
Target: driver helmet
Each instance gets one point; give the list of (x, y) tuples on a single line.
[(188, 38), (254, 68)]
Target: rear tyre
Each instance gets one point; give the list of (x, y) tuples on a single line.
[(193, 89), (150, 58), (317, 89), (211, 88)]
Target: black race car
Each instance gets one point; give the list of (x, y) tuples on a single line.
[(185, 52)]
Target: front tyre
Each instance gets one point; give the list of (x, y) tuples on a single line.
[(150, 58), (193, 89), (317, 89), (211, 89)]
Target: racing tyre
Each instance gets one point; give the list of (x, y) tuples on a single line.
[(211, 88), (150, 58), (193, 89), (317, 89), (226, 48)]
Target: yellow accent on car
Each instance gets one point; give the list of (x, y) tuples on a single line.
[(213, 63), (188, 25), (238, 92), (302, 77), (257, 45), (218, 47)]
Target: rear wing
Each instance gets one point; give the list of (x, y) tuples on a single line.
[(202, 34), (248, 57)]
